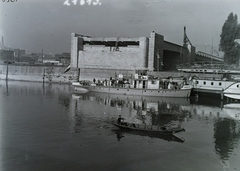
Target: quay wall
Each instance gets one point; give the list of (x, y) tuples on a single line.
[(37, 73)]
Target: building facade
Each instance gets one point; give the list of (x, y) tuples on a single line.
[(6, 55), (18, 53), (64, 58), (119, 55)]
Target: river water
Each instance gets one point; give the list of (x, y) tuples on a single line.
[(49, 127)]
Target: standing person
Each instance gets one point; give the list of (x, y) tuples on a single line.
[(105, 82), (94, 80), (110, 82), (144, 113), (170, 86)]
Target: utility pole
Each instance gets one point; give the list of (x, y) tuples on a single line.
[(212, 52)]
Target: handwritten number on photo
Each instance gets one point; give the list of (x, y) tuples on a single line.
[(82, 2), (96, 2), (89, 2), (66, 3), (74, 2)]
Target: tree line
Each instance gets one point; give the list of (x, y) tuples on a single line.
[(230, 32)]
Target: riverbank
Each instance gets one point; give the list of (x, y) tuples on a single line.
[(37, 73)]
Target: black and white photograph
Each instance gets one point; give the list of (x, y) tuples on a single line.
[(119, 85)]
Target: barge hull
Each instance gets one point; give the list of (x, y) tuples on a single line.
[(143, 92)]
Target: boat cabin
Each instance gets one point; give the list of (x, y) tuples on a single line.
[(144, 81)]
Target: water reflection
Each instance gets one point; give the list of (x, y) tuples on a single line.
[(226, 135), (157, 112), (169, 112), (226, 125), (7, 93), (137, 109), (227, 131)]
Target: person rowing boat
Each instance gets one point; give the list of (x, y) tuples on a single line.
[(120, 121)]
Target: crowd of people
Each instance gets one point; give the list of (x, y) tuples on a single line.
[(112, 82)]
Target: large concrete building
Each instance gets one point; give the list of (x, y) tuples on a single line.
[(104, 57)]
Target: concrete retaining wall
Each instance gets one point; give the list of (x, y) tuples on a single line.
[(38, 73)]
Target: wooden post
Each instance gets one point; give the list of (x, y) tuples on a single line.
[(78, 74), (43, 75), (222, 96), (7, 72), (7, 87)]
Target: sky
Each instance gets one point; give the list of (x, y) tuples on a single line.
[(34, 25)]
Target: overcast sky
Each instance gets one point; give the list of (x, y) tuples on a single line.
[(34, 25)]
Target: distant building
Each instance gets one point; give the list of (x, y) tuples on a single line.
[(27, 58), (49, 60), (64, 58), (6, 55), (18, 53)]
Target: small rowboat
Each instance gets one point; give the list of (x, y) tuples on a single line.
[(145, 128), (121, 133)]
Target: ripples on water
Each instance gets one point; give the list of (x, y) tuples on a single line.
[(49, 127)]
